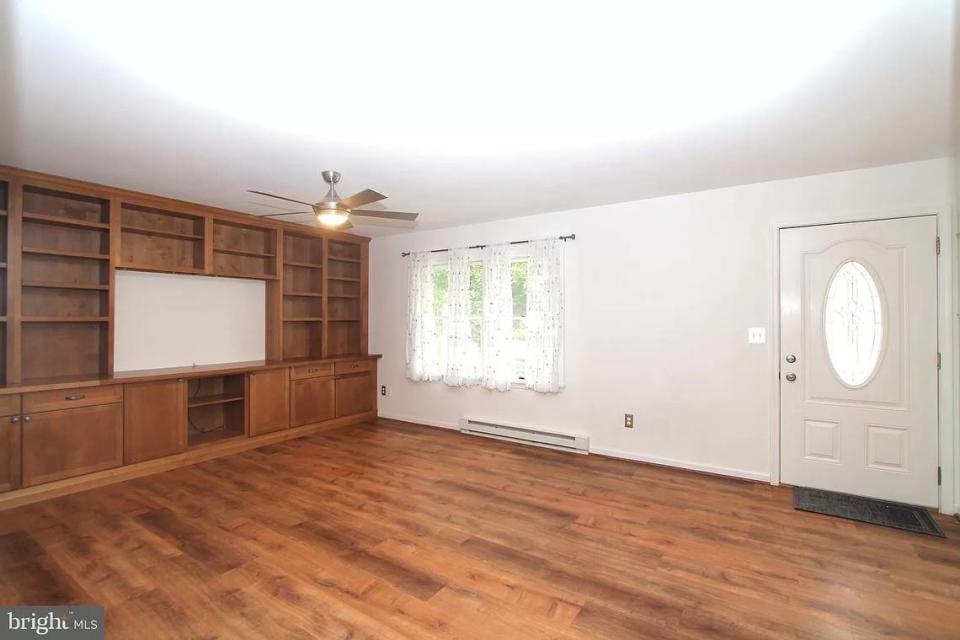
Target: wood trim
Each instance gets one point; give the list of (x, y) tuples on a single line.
[(116, 219), (364, 297), (208, 245), (325, 292), (14, 277), (121, 474), (274, 305), (49, 181), (235, 368)]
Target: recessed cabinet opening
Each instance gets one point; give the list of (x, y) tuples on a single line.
[(154, 239), (216, 409), (240, 251)]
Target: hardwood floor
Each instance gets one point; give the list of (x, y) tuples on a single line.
[(403, 531)]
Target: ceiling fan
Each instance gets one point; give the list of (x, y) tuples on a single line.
[(336, 212)]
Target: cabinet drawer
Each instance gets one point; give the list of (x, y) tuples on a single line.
[(353, 366), (311, 371), (10, 405), (71, 442), (71, 398)]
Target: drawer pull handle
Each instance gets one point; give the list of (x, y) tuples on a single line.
[(14, 419), (27, 418), (77, 396)]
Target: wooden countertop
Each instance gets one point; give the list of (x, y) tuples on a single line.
[(143, 375)]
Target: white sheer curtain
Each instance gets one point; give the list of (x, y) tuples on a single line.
[(463, 354), (424, 351), (497, 352), (544, 363)]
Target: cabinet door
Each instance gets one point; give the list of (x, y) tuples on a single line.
[(154, 422), (9, 443), (312, 400), (269, 401), (354, 394), (71, 442)]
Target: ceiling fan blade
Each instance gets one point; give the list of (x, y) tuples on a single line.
[(367, 196), (386, 215), (271, 195), (286, 213)]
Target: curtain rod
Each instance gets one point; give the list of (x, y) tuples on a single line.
[(572, 236)]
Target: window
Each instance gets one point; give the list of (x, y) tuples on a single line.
[(518, 281), (463, 334), (441, 273), (852, 324)]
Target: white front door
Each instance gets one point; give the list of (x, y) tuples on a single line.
[(858, 359)]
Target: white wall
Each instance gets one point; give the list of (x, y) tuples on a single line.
[(170, 320), (660, 294)]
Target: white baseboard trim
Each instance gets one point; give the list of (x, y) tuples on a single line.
[(683, 464), (616, 453)]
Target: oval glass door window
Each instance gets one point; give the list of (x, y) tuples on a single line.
[(853, 324)]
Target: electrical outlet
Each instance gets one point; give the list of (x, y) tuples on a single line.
[(756, 335), (628, 421), (383, 390)]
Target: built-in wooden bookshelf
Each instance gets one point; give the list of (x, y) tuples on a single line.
[(244, 251), (303, 299), (344, 298), (64, 292), (61, 242), (216, 409), (158, 240)]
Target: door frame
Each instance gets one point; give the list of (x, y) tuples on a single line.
[(947, 320)]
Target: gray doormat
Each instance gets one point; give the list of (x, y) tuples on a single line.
[(887, 514)]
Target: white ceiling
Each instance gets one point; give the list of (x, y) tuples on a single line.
[(471, 112)]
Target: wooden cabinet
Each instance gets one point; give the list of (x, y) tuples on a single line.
[(154, 423), (269, 401), (9, 443), (71, 442), (355, 394), (312, 400)]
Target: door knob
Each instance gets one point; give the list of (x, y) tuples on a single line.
[(791, 377), (791, 358)]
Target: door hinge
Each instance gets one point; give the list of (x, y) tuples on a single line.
[(939, 476), (938, 245), (938, 360)]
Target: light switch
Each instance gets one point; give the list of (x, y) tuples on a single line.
[(756, 335)]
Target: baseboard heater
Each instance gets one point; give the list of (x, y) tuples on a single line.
[(574, 442)]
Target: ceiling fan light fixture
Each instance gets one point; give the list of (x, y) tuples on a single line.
[(332, 217)]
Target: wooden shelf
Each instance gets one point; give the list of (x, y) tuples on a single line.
[(241, 252), (66, 254), (66, 319), (343, 320), (65, 221), (147, 231), (65, 285), (343, 279), (340, 259), (345, 296), (220, 398), (303, 294), (136, 266), (196, 439), (303, 319), (306, 265)]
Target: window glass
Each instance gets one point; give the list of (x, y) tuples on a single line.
[(852, 324)]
